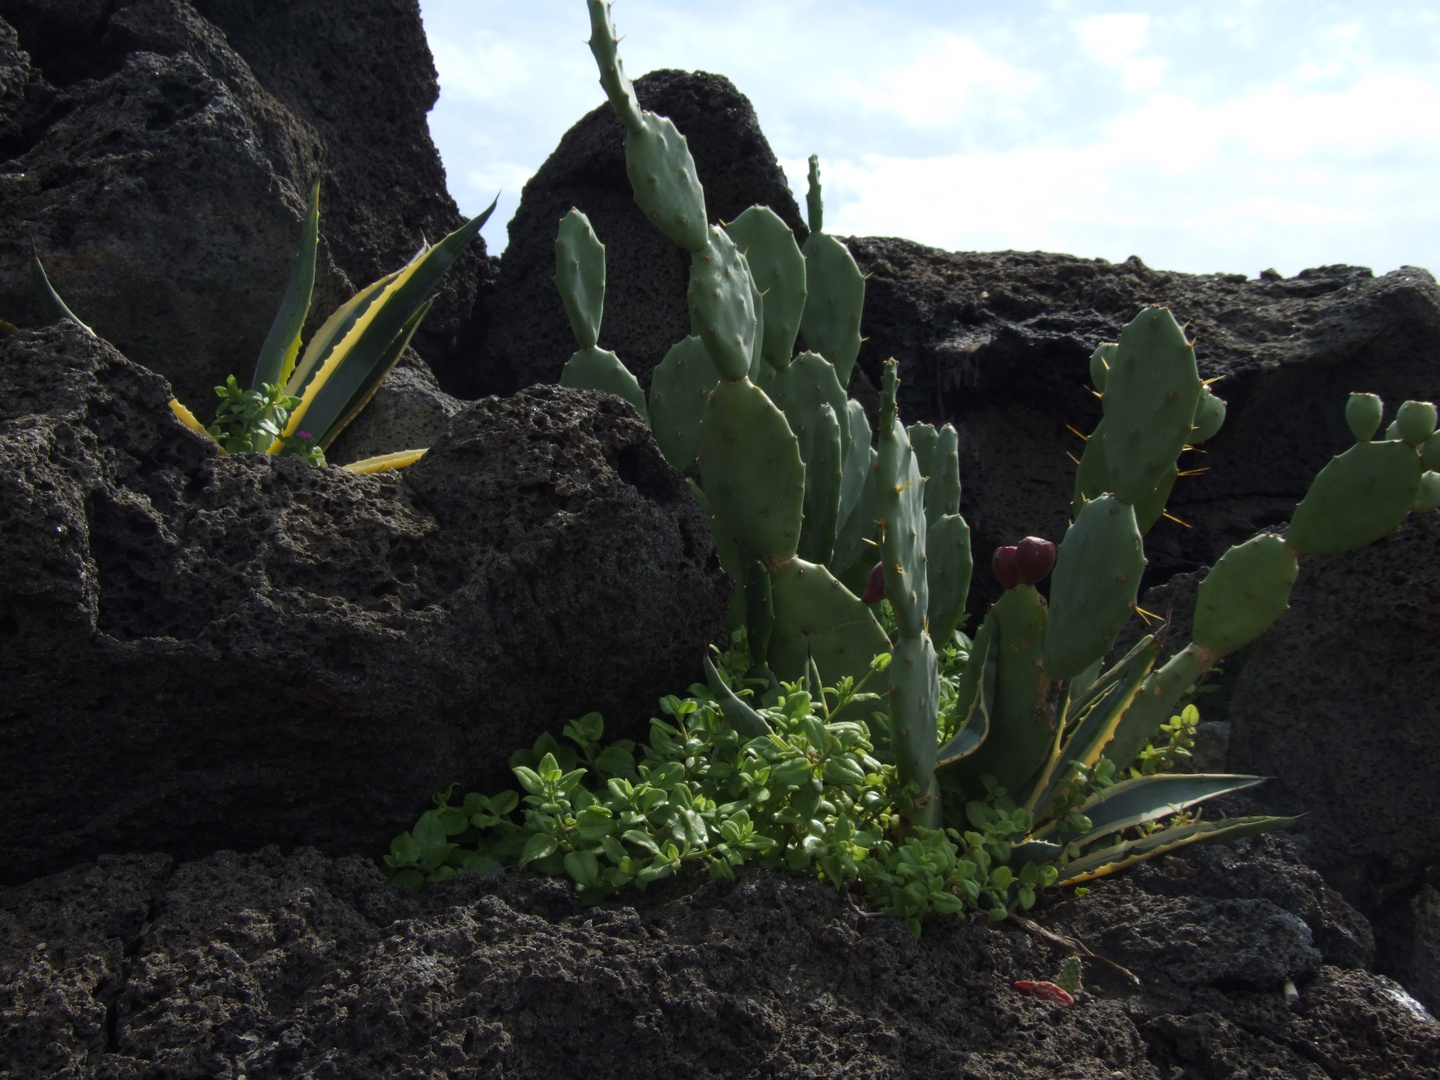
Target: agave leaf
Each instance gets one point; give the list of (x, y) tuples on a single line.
[(387, 363), (187, 418), (282, 343), (340, 378), (1146, 798), (50, 302), (1037, 851), (385, 462), (741, 717), (1111, 695), (1128, 853), (332, 332), (975, 726)]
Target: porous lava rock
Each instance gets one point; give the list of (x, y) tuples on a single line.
[(270, 966), (201, 651), (161, 154), (527, 337)]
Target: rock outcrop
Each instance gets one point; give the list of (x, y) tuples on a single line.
[(202, 651)]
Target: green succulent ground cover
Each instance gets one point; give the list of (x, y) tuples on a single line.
[(820, 795)]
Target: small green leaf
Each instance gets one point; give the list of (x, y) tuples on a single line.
[(538, 847)]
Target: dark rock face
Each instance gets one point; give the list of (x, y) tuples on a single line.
[(310, 966), (205, 651), (162, 155), (527, 339)]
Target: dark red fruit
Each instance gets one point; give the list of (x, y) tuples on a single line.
[(1034, 559), (1004, 566), (875, 587)]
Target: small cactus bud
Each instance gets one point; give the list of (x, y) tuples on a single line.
[(1415, 421), (1362, 413), (1034, 559), (1003, 563), (875, 587)]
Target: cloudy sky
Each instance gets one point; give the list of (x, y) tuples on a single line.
[(1229, 135)]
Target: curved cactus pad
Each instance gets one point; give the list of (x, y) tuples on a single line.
[(1094, 585), (722, 307), (914, 699), (830, 323), (822, 487), (1209, 417), (751, 471), (662, 175), (1360, 496), (816, 616), (580, 276), (1246, 591), (679, 391), (948, 568), (779, 270), (1151, 391), (600, 369)]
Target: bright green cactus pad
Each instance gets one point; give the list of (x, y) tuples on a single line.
[(679, 391), (662, 175), (751, 470), (1151, 391), (1363, 413), (1022, 727), (800, 390), (580, 276), (947, 570), (600, 369), (722, 311), (1209, 417), (1244, 593), (942, 489), (830, 323), (779, 270), (1415, 422), (816, 615), (901, 494), (1360, 496), (603, 42), (913, 700), (1093, 586), (823, 475)]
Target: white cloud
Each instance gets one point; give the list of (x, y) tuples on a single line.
[(1113, 38)]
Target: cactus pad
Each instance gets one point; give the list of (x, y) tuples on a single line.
[(1100, 361), (913, 700), (830, 323), (662, 175), (1430, 452), (948, 568), (1209, 417), (779, 270), (1093, 589), (600, 369), (1415, 422), (901, 493), (1363, 413), (580, 276), (751, 471), (603, 42), (1427, 495), (817, 616), (801, 389), (1360, 496), (1244, 593), (823, 476), (1151, 393), (722, 309), (679, 391), (942, 489)]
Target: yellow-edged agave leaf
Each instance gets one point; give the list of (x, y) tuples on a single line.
[(1100, 863), (343, 375), (187, 418), (1148, 798), (332, 332), (282, 343), (50, 302), (979, 700), (377, 375), (385, 462), (1093, 718)]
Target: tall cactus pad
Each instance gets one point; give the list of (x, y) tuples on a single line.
[(823, 475), (857, 458), (901, 492), (722, 308), (600, 369), (1360, 496), (913, 701), (1151, 390), (580, 276), (679, 391), (751, 471), (948, 569), (778, 268), (1245, 592), (830, 323), (814, 201), (942, 488), (923, 438), (1022, 728), (1094, 585), (662, 175), (801, 390), (817, 616), (603, 42)]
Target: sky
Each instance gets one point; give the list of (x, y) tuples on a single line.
[(1226, 136)]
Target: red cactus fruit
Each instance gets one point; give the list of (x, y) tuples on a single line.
[(1003, 563), (1034, 559), (1045, 991), (875, 587)]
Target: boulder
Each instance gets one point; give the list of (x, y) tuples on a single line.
[(161, 154), (267, 965), (202, 651), (527, 338)]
